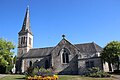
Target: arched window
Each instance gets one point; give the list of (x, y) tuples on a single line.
[(30, 63), (21, 40), (46, 64), (65, 55), (24, 40)]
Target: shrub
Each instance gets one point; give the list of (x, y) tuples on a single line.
[(39, 72), (29, 72), (9, 69), (2, 69), (96, 72)]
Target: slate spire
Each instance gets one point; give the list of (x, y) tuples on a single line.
[(26, 23)]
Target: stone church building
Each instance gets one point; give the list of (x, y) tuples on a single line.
[(65, 57)]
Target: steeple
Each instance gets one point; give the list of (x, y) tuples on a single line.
[(25, 36), (26, 23), (25, 41)]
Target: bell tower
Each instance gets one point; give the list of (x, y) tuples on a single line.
[(25, 36), (25, 42)]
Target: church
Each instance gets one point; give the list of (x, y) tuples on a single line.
[(65, 57)]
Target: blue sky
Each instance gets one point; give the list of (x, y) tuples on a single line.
[(82, 21)]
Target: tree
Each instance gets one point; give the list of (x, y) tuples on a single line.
[(6, 52), (14, 59), (111, 54)]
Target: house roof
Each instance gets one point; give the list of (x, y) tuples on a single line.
[(38, 52), (89, 47), (84, 48)]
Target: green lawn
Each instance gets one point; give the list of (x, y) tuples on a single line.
[(61, 77), (77, 77), (13, 77)]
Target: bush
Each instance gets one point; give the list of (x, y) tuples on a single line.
[(44, 72), (29, 72), (9, 69), (96, 72), (6, 69), (39, 72), (2, 69)]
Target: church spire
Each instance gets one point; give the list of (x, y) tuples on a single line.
[(26, 22)]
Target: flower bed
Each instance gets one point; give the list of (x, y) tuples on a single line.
[(55, 77), (40, 74)]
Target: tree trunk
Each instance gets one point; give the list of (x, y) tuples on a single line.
[(118, 64), (110, 68)]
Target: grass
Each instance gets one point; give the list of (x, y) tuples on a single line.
[(77, 77), (61, 77), (13, 77)]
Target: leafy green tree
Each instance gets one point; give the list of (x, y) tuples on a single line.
[(14, 59), (111, 54), (6, 52)]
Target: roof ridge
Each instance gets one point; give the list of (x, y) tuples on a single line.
[(95, 45), (72, 44), (83, 43), (43, 48), (68, 42)]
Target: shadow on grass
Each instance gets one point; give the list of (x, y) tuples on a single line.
[(114, 73), (23, 78)]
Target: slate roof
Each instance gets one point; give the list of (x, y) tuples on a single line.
[(37, 52), (84, 48), (89, 47), (26, 23)]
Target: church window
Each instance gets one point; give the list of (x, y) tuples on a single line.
[(46, 64), (89, 64), (24, 40), (30, 63), (65, 55), (29, 40), (21, 40)]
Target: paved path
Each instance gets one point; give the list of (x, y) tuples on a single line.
[(117, 77), (2, 75)]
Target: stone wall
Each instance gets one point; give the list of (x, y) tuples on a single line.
[(82, 64), (65, 68), (37, 62)]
